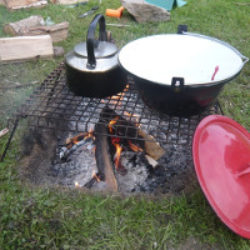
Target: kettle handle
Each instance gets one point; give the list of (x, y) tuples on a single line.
[(91, 42)]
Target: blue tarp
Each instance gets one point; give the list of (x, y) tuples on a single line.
[(167, 4)]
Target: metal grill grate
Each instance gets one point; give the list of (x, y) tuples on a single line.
[(54, 106)]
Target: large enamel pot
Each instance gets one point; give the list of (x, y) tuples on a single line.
[(92, 68), (180, 74)]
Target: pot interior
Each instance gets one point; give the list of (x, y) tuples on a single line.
[(197, 59)]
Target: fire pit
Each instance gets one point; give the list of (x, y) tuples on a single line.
[(115, 143)]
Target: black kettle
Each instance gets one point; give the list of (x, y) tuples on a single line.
[(92, 68)]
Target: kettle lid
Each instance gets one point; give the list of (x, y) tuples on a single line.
[(102, 49)]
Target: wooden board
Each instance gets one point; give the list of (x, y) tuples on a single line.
[(33, 26), (23, 26), (25, 48), (58, 32), (65, 2), (20, 4)]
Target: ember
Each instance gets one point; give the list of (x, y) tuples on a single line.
[(77, 184), (134, 147), (96, 177), (73, 143), (111, 123)]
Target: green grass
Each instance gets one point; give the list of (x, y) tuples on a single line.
[(38, 217)]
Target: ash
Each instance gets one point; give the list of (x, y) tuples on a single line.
[(173, 174), (78, 168), (136, 175)]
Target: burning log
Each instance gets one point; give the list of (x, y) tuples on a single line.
[(152, 147), (104, 163), (96, 177), (74, 143)]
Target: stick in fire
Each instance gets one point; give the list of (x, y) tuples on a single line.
[(73, 143)]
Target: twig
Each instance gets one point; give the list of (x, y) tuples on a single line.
[(242, 4), (4, 132), (17, 86), (117, 25)]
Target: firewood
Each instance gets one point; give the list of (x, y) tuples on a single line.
[(104, 163), (24, 4), (22, 27), (21, 48), (4, 132), (152, 147), (34, 25), (58, 32), (151, 161), (65, 2)]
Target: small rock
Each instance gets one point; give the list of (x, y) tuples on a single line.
[(58, 51), (144, 12)]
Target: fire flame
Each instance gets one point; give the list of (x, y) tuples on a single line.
[(96, 177), (118, 151), (117, 99), (117, 155), (135, 116), (111, 123), (134, 147), (76, 139)]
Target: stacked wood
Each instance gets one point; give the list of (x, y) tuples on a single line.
[(20, 4), (21, 48), (22, 27), (34, 25), (58, 32), (65, 2)]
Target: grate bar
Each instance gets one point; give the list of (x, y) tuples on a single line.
[(54, 106)]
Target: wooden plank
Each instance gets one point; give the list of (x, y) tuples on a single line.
[(58, 32), (65, 2), (25, 48), (33, 26), (15, 3), (23, 4)]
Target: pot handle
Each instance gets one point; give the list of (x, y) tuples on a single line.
[(177, 82), (91, 42)]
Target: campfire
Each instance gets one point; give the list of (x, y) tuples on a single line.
[(110, 144)]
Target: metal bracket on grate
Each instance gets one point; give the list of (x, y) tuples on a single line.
[(54, 106)]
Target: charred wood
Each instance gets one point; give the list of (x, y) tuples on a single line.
[(103, 160)]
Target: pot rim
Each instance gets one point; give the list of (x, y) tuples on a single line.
[(208, 83)]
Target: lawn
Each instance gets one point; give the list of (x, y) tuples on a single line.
[(39, 217)]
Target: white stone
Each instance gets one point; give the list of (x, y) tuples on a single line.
[(145, 12)]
